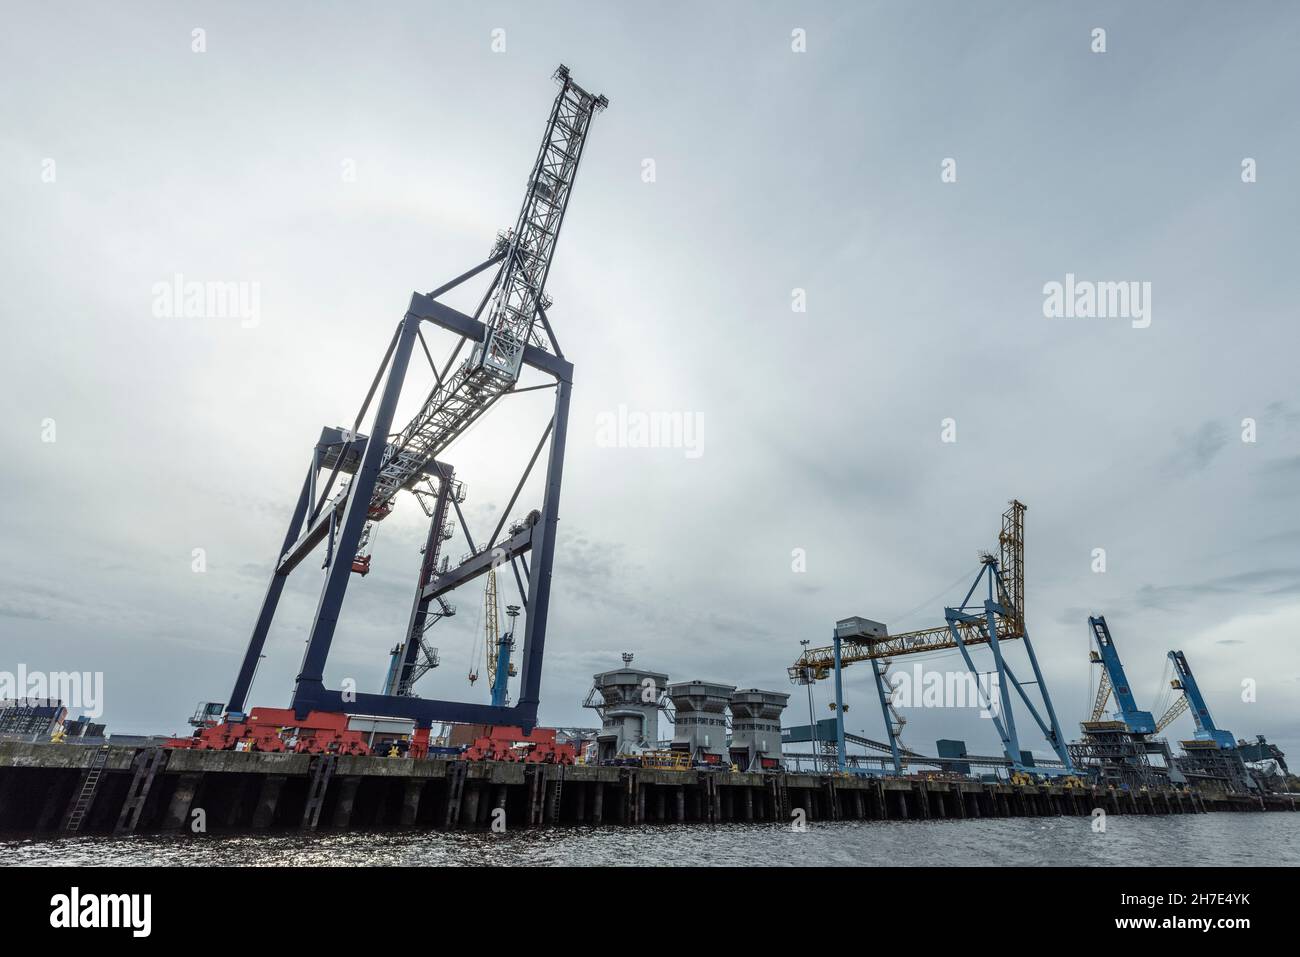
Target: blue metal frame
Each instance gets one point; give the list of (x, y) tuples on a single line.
[(841, 755), (1137, 720), (992, 606), (839, 704), (310, 692), (1205, 727), (987, 622), (879, 670)]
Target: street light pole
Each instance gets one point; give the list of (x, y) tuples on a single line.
[(812, 721)]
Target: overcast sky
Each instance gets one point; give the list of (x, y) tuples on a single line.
[(340, 156)]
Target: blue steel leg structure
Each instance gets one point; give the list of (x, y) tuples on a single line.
[(244, 680), (309, 685), (878, 670), (309, 528), (839, 706), (1005, 720), (538, 604)]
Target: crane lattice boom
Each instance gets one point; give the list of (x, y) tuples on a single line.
[(517, 299), (1103, 694), (1178, 707)]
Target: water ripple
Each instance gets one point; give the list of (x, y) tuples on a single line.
[(1209, 839)]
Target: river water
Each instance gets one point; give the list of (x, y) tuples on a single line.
[(1248, 839)]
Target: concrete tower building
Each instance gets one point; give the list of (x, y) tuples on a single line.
[(700, 725), (628, 702), (756, 728)]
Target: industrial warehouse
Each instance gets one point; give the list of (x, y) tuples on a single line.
[(661, 748)]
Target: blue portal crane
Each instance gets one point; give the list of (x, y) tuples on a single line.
[(353, 481), (995, 618), (1114, 680), (1191, 698)]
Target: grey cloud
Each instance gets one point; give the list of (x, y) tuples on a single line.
[(822, 428), (1193, 453)]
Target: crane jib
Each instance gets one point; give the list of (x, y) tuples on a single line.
[(517, 294)]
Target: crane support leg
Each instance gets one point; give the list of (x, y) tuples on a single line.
[(879, 671), (839, 705), (1052, 733), (257, 641), (991, 626), (310, 677), (1055, 737), (1010, 745), (543, 549)]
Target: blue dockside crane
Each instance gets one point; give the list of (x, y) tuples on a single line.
[(1114, 680), (1191, 698), (995, 618)]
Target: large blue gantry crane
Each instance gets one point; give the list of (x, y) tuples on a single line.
[(508, 332)]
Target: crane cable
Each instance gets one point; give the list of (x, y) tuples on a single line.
[(474, 649), (964, 576), (1168, 694)]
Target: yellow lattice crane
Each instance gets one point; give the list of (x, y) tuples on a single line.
[(1103, 691), (500, 669)]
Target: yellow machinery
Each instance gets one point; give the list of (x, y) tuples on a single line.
[(666, 760)]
